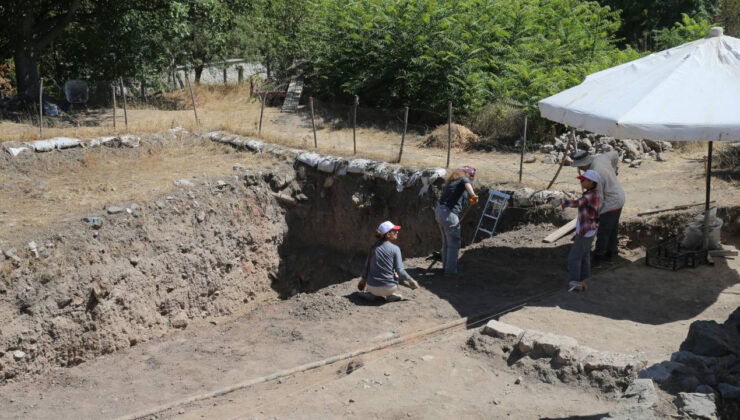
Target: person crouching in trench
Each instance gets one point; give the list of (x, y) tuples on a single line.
[(384, 266)]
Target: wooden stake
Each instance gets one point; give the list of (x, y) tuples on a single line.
[(125, 109), (565, 156), (313, 124), (403, 136), (524, 145), (192, 99), (113, 94), (354, 123), (449, 132), (262, 111), (41, 108)]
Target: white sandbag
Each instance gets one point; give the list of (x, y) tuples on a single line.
[(215, 135), (99, 141), (358, 166), (694, 235), (255, 145), (238, 142), (15, 151), (130, 140), (522, 197), (309, 158), (54, 143), (400, 179), (329, 164), (544, 196)]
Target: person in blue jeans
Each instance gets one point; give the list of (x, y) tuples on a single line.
[(587, 224), (458, 191)]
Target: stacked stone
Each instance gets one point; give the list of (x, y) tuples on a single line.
[(630, 151), (706, 370)]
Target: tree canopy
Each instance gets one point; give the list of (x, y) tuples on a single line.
[(390, 52)]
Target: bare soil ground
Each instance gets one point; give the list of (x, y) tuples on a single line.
[(628, 307)]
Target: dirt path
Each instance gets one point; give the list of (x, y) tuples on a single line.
[(630, 307)]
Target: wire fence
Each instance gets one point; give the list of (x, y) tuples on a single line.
[(389, 134)]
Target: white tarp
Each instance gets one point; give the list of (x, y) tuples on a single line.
[(690, 92)]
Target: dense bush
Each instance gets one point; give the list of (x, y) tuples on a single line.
[(473, 52)]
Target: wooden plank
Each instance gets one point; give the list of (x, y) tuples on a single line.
[(723, 253), (681, 207), (562, 231)]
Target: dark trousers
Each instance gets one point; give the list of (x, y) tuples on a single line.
[(607, 234), (579, 259)]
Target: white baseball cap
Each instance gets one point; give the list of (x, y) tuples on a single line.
[(387, 226), (591, 175)]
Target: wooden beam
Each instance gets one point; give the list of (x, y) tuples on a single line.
[(681, 207), (562, 231)]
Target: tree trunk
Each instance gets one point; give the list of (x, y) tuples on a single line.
[(26, 73), (198, 73)]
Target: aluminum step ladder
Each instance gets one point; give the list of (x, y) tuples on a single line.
[(293, 95), (493, 210)]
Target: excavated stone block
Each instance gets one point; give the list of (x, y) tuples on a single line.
[(697, 406), (612, 361), (499, 329)]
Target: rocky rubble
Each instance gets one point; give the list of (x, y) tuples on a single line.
[(630, 151), (705, 370), (556, 358)]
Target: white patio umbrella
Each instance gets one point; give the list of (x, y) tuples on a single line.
[(687, 93)]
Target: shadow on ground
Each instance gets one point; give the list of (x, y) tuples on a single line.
[(497, 277)]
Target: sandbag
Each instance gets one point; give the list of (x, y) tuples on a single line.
[(694, 235)]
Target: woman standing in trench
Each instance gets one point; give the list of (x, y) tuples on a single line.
[(457, 191)]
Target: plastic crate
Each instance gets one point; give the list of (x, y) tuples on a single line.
[(670, 255)]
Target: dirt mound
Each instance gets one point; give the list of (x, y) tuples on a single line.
[(462, 137)]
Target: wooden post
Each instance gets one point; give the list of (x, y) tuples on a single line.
[(524, 145), (354, 123), (262, 111), (403, 136), (125, 110), (313, 124), (565, 156), (113, 94), (449, 131), (41, 108), (192, 99), (240, 75), (226, 77)]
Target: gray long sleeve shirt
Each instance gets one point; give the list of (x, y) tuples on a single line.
[(610, 190), (384, 260)]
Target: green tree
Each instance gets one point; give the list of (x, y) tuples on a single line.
[(640, 18), (426, 52), (688, 29)]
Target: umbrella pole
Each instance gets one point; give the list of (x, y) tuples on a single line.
[(706, 206)]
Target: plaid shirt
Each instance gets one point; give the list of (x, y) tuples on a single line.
[(588, 210)]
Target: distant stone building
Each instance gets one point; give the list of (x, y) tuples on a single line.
[(229, 72)]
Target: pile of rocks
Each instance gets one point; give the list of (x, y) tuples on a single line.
[(557, 358), (630, 151), (706, 370)]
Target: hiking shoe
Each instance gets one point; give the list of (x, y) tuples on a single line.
[(577, 286), (394, 298), (367, 296)]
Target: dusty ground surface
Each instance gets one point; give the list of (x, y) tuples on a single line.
[(629, 307)]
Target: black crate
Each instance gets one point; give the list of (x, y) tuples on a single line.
[(670, 255)]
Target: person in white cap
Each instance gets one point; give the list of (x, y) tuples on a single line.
[(587, 223), (384, 266), (612, 200)]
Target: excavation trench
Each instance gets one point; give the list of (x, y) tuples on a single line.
[(212, 248)]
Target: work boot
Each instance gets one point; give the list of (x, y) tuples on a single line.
[(394, 298), (367, 296)]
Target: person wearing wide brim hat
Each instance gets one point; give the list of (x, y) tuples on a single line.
[(384, 266), (612, 198), (456, 195), (587, 224)]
